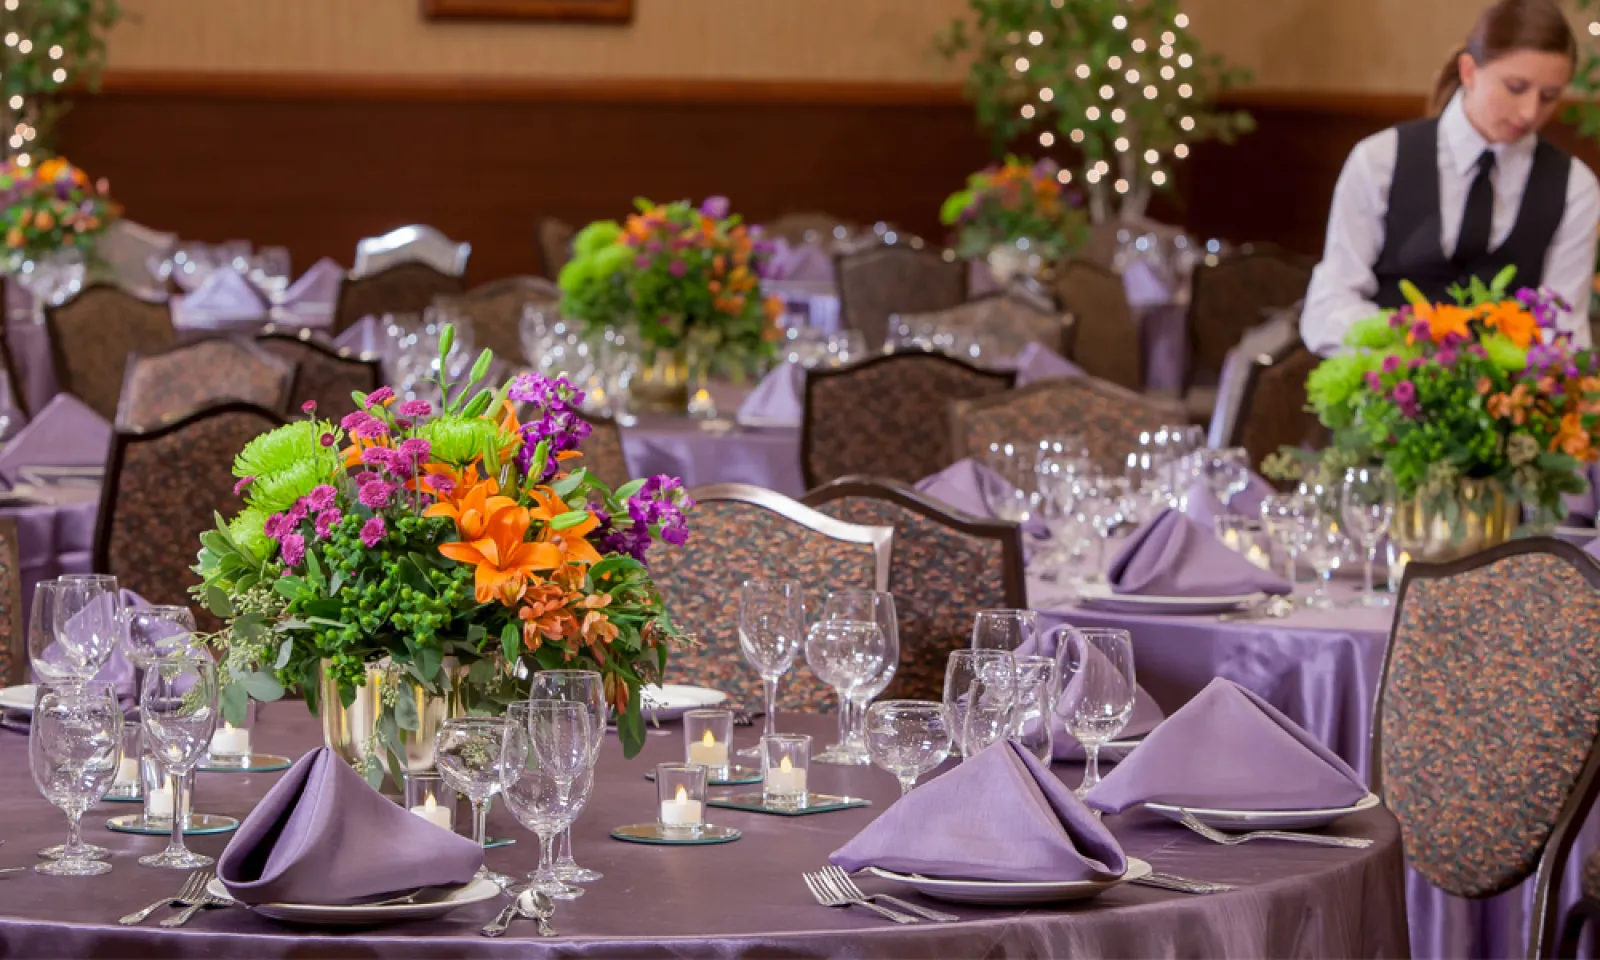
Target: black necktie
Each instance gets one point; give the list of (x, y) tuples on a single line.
[(1478, 216)]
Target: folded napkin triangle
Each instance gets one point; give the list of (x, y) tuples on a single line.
[(1229, 749), (321, 835), (778, 400), (66, 433), (1001, 815), (1038, 362), (1172, 556)]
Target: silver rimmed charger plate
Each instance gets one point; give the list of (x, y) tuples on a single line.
[(431, 903), (1098, 596), (1011, 892), (1264, 819), (199, 825)]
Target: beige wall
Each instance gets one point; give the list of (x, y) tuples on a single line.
[(1315, 45)]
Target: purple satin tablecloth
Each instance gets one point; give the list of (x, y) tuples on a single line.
[(678, 446), (743, 899), (35, 369), (55, 538)]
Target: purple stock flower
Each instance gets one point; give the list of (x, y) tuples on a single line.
[(294, 549), (678, 268), (372, 531), (380, 396), (326, 521), (376, 495), (415, 408), (1391, 363), (715, 207), (321, 497), (243, 485)]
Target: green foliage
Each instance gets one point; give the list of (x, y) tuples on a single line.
[(1019, 201), (77, 30)]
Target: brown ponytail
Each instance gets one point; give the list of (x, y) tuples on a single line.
[(1506, 27)]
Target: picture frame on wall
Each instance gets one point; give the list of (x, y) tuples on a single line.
[(571, 11)]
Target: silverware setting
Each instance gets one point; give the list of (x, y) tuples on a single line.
[(193, 888), (207, 899), (843, 881), (1167, 881), (1268, 608), (742, 718), (497, 927), (1234, 839), (827, 893), (538, 907)]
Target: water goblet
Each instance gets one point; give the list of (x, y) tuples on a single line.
[(52, 660), (771, 630), (178, 706), (1038, 684), (88, 617), (585, 687), (539, 795), (1366, 501), (1227, 474), (878, 607), (844, 654), (1096, 666), (1281, 514), (908, 738), (1015, 463), (1004, 629), (74, 750), (1324, 550), (466, 751), (153, 631), (979, 692)]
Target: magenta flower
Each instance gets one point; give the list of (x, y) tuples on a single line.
[(277, 526), (380, 396), (296, 513), (309, 407), (441, 485), (642, 262), (326, 520), (372, 531), (321, 497), (416, 449), (1391, 363), (678, 268), (1446, 357), (415, 408), (354, 419), (371, 429), (1405, 393), (366, 477), (326, 439), (376, 495), (715, 207), (240, 487), (1374, 382), (294, 549)]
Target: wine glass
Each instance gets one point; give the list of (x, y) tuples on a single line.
[(1281, 514), (1097, 698), (466, 751), (74, 749), (772, 626), (1038, 684), (547, 751), (1227, 474), (908, 738), (154, 631), (844, 654), (1100, 509), (1324, 550), (1015, 463), (979, 691), (178, 705), (1003, 629), (88, 617), (877, 606), (1366, 502), (577, 686), (52, 659)]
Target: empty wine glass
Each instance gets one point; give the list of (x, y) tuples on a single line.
[(155, 631), (1324, 551), (979, 692), (52, 659), (74, 749), (877, 606), (908, 738), (1282, 515), (88, 617), (1096, 701), (772, 626), (178, 705), (466, 751), (1038, 683), (844, 654), (1100, 509), (1015, 463), (585, 687), (1003, 629), (1227, 474), (547, 749), (1366, 501)]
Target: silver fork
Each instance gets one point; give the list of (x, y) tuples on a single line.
[(542, 909), (1234, 839), (846, 885), (207, 899), (1167, 881), (817, 884), (191, 889)]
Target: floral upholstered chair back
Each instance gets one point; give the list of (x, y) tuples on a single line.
[(92, 335), (739, 533), (1272, 410), (406, 287), (1489, 712), (602, 452), (1235, 294), (888, 416), (173, 384), (162, 490), (1007, 320), (417, 243), (495, 310), (13, 646), (945, 569), (883, 280), (324, 374), (1106, 336), (1107, 417)]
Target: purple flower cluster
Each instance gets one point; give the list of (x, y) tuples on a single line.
[(554, 420), (1545, 305), (659, 504)]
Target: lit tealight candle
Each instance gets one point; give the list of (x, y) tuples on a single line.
[(1230, 539), (1258, 557), (159, 804), (785, 779), (680, 811), (127, 773), (708, 752), (230, 741), (430, 811)]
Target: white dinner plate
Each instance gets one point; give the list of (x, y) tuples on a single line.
[(18, 697), (1012, 892), (1098, 596), (670, 701), (434, 902), (1265, 819)]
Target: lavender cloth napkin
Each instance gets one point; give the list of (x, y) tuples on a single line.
[(777, 401), (1038, 362), (1172, 556), (225, 300), (807, 262), (1146, 712), (64, 434), (322, 836), (1001, 815), (1204, 507), (1229, 749), (972, 487), (310, 300)]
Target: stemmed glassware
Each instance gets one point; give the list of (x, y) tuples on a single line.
[(1038, 685), (908, 738), (53, 660), (844, 654), (466, 751), (546, 761), (1227, 474), (1096, 666), (178, 705), (1016, 464), (979, 693), (1003, 629), (772, 626), (1100, 509), (155, 631), (1366, 502), (1283, 515), (878, 607), (74, 749), (1324, 550), (89, 616), (585, 687)]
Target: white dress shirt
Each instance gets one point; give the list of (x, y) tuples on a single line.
[(1343, 285)]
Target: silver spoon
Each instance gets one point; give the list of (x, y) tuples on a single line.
[(538, 906)]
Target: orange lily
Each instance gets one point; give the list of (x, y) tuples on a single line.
[(504, 560), (1511, 319), (472, 507), (545, 616), (571, 542)]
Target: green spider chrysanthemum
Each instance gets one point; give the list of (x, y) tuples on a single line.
[(460, 440), (1374, 333), (248, 532), (1504, 354), (275, 492), (1334, 382), (597, 235), (280, 449)]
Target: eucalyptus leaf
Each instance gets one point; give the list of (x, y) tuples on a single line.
[(405, 712), (263, 687), (217, 601), (285, 650), (510, 642), (235, 704)]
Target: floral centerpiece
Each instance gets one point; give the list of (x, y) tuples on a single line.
[(458, 545), (683, 282), (1017, 215), (1468, 404), (52, 216)]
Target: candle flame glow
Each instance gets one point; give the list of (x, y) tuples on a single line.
[(683, 795), (429, 803), (708, 739), (785, 765)]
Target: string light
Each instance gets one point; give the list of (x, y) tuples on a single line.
[(1022, 64), (1121, 144), (1106, 93), (1133, 76), (1167, 73), (1083, 71), (1027, 111), (1150, 92), (1101, 167), (1064, 176), (1115, 63), (11, 39), (16, 102), (1594, 29), (1185, 61), (1138, 42), (1036, 38), (26, 46), (1151, 156), (1077, 136), (1169, 38), (1046, 94), (56, 52), (1093, 114), (1187, 123), (11, 4), (1122, 186), (1165, 51), (1046, 139), (1121, 23), (1181, 21), (1185, 91), (1093, 176), (59, 76), (1180, 151), (1118, 115), (1158, 178)]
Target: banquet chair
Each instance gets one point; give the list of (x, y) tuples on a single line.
[(16, 396), (554, 239), (93, 333), (1234, 294), (1484, 740), (324, 374), (162, 490), (899, 278), (1272, 404), (1011, 319), (164, 387), (407, 287), (602, 452), (1106, 334), (495, 310), (13, 643), (742, 532), (946, 566), (887, 416), (1585, 912), (823, 229), (417, 243), (1106, 416)]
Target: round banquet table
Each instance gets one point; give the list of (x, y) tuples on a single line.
[(54, 538), (740, 899)]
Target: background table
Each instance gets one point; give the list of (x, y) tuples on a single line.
[(54, 538), (739, 899)]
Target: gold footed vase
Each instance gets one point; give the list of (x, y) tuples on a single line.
[(1488, 517), (663, 386), (352, 731)]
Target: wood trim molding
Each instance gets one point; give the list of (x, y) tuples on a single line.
[(580, 11)]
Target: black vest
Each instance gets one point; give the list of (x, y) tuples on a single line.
[(1412, 245)]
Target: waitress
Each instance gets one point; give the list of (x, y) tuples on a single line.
[(1468, 191)]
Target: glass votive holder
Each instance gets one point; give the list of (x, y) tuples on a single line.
[(158, 792), (681, 790), (230, 744), (785, 760), (1246, 537), (1398, 559), (708, 740), (128, 784), (430, 798)]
